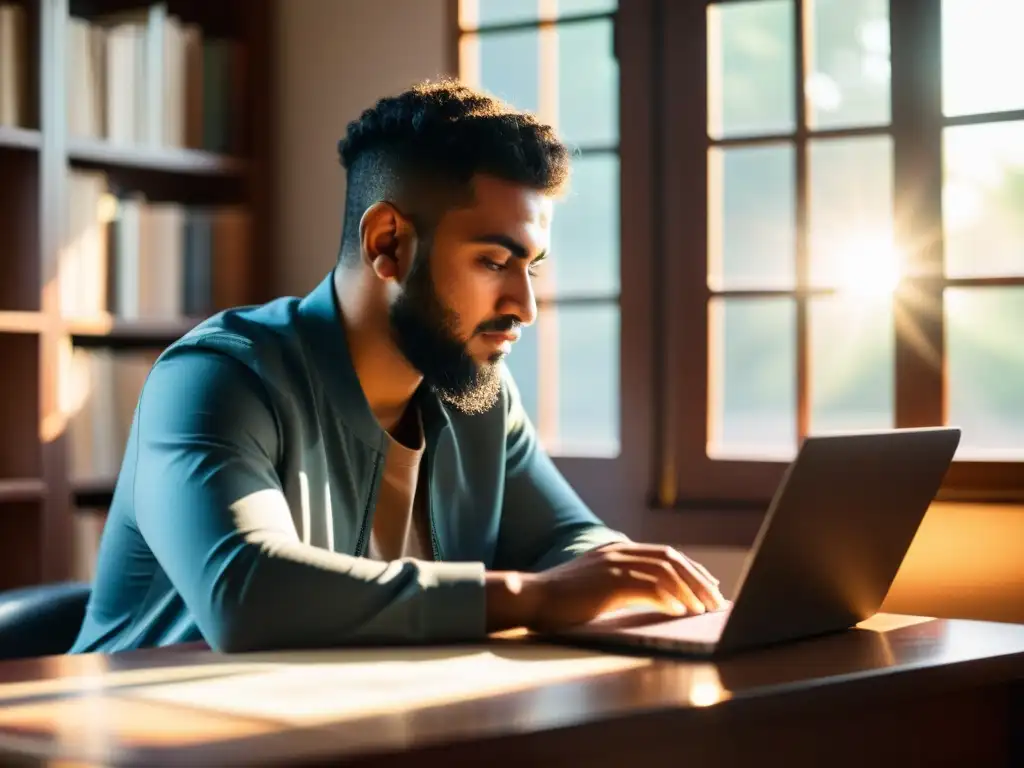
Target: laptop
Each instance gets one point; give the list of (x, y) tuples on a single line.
[(832, 541)]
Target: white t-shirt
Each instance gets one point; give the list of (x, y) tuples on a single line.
[(400, 525)]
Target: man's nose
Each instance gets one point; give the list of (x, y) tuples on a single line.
[(521, 300)]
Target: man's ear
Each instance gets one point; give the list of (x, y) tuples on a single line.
[(388, 241)]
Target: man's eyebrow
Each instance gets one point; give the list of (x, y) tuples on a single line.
[(510, 244)]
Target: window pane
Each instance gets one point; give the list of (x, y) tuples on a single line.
[(985, 370), (982, 56), (484, 12), (580, 7), (750, 68), (523, 363), (510, 66), (851, 214), (852, 364), (574, 403), (585, 233), (588, 84), (570, 390), (752, 217), (848, 75), (588, 380), (983, 200), (752, 386)]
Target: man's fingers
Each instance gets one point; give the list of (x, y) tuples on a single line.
[(681, 588), (697, 579), (707, 590), (668, 578), (647, 589), (701, 569)]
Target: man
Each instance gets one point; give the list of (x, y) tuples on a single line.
[(356, 466)]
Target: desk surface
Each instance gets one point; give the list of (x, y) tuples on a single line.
[(188, 705)]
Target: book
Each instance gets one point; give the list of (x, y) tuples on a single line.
[(13, 54)]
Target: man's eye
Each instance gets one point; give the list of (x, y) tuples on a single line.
[(493, 265), (535, 268)]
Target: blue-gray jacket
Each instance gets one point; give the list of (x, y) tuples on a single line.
[(243, 507)]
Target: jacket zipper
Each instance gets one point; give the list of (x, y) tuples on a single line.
[(368, 511), (435, 543)]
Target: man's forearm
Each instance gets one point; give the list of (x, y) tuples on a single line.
[(510, 601), (289, 595)]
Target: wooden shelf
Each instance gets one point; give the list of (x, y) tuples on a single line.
[(22, 322), (170, 160), (22, 489), (110, 332), (40, 538), (19, 138), (94, 493)]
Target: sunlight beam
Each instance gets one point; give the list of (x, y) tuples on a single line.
[(869, 267)]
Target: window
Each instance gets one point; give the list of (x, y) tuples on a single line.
[(856, 260), (556, 59), (983, 225), (816, 226), (587, 367)]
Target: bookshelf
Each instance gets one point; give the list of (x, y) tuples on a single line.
[(132, 206), (18, 138), (172, 160)]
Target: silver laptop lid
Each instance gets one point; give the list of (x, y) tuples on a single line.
[(836, 533)]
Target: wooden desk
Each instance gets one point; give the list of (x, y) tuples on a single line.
[(889, 693)]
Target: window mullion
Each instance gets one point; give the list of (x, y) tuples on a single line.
[(547, 320), (682, 310), (801, 38), (915, 29)]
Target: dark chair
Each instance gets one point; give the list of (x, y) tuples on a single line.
[(42, 620)]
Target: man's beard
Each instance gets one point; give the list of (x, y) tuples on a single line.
[(425, 331)]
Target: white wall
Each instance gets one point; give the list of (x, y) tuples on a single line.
[(334, 59)]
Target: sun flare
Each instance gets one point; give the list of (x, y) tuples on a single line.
[(869, 267)]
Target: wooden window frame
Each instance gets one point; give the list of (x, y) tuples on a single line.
[(691, 479), (617, 488), (663, 485)]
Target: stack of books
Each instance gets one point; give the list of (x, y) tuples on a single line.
[(146, 78), (144, 260)]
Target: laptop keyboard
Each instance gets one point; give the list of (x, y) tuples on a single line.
[(651, 627), (704, 628)]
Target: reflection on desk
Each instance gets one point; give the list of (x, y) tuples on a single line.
[(329, 686)]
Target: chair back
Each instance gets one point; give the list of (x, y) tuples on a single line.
[(41, 620)]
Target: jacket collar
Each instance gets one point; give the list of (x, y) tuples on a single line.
[(324, 334)]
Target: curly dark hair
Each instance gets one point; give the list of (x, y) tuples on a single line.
[(421, 149)]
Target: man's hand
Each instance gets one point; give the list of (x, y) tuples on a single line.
[(609, 578)]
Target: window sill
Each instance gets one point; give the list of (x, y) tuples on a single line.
[(717, 526), (736, 526)]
